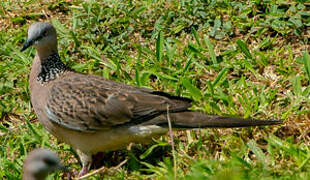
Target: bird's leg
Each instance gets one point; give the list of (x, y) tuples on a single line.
[(86, 160)]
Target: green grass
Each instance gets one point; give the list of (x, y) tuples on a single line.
[(236, 58)]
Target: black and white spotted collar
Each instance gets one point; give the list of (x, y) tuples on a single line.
[(51, 68)]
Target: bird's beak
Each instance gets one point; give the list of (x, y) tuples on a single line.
[(27, 44)]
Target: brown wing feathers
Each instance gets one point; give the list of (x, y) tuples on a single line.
[(84, 104), (189, 119), (94, 103)]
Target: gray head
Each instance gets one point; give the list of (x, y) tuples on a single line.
[(39, 163), (42, 35)]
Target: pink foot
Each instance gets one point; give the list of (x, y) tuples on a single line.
[(83, 171)]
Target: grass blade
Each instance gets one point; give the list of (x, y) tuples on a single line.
[(219, 77), (306, 60), (257, 151), (195, 34), (194, 91), (210, 49), (159, 46), (297, 88), (244, 48)]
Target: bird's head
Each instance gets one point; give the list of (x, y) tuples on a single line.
[(40, 163), (41, 35)]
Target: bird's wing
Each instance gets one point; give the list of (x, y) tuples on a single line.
[(91, 103)]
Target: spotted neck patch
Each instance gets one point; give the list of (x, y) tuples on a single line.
[(51, 68)]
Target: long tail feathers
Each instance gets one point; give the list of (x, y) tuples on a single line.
[(190, 120)]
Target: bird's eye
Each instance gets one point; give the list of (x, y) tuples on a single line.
[(45, 33), (49, 161)]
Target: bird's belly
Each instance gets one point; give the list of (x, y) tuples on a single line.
[(104, 140)]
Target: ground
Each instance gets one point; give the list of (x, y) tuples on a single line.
[(236, 58)]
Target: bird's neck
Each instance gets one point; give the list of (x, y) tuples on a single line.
[(50, 67)]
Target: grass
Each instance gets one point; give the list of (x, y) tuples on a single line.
[(248, 59)]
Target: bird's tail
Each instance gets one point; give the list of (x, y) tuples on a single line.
[(189, 119)]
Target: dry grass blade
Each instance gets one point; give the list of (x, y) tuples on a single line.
[(172, 144)]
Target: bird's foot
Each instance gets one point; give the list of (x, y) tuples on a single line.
[(83, 171), (86, 160)]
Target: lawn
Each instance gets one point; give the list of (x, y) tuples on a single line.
[(236, 58)]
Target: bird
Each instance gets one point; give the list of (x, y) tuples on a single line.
[(39, 163), (94, 114)]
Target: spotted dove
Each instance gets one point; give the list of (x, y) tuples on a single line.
[(39, 163), (94, 114)]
